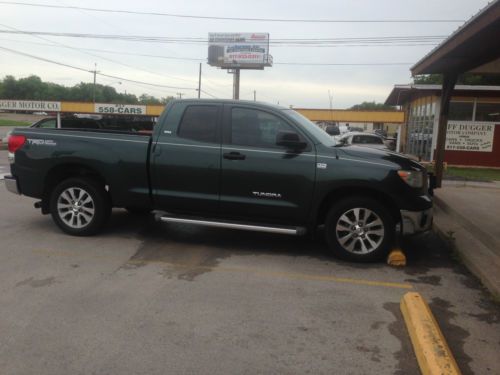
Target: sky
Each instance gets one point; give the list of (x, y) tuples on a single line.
[(300, 86)]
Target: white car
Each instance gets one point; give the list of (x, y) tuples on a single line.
[(363, 139)]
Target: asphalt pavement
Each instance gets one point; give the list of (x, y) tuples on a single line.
[(152, 298)]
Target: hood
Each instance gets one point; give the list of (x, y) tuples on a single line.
[(392, 159)]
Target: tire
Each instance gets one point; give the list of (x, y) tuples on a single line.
[(80, 206), (365, 239), (138, 210)]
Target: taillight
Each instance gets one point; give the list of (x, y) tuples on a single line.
[(16, 142)]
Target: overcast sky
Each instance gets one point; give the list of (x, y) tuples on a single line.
[(300, 86)]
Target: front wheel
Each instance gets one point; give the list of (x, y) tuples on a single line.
[(359, 229), (80, 206)]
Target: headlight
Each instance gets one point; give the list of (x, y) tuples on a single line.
[(413, 178)]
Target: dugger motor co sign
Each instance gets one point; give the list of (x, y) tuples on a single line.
[(470, 136), (30, 105)]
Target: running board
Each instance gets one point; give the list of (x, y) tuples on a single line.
[(294, 231)]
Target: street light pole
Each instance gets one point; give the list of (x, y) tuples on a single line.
[(93, 87), (199, 83)]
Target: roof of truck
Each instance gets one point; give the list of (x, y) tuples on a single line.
[(232, 101)]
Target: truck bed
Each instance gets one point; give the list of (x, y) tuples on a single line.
[(106, 152)]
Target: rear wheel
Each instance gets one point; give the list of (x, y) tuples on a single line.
[(359, 229), (80, 206)]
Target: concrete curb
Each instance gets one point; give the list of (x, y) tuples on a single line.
[(474, 254), (433, 354)]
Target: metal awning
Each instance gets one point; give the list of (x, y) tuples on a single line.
[(475, 46)]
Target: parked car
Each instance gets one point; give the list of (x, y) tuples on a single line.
[(332, 130), (363, 139), (222, 163)]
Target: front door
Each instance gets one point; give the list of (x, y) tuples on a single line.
[(261, 181)]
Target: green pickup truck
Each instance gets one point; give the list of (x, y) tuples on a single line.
[(232, 164)]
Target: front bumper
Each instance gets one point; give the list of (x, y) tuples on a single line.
[(415, 221), (11, 184)]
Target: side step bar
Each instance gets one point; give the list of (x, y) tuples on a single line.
[(295, 231)]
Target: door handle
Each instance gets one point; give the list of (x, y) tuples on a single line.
[(234, 156)]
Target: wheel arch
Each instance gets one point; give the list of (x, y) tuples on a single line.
[(341, 193), (62, 172)]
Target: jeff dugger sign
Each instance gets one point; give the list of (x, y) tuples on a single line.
[(30, 105), (470, 136)]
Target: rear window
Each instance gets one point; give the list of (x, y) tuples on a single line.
[(199, 123), (366, 139)]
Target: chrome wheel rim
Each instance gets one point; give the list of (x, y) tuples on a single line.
[(360, 230), (75, 207)]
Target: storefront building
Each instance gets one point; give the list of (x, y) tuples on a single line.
[(473, 129)]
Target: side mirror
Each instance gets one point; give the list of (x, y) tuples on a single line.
[(290, 140)]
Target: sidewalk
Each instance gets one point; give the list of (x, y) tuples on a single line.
[(468, 213)]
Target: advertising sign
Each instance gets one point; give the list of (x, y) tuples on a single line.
[(30, 105), (239, 50), (470, 136), (120, 109)]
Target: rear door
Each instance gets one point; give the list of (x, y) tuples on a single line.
[(261, 181), (185, 164)]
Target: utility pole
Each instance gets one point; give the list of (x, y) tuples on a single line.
[(180, 95), (254, 95), (93, 88), (199, 83), (236, 84), (330, 96)]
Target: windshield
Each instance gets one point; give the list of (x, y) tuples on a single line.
[(319, 134)]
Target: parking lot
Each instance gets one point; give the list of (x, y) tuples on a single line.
[(151, 298)]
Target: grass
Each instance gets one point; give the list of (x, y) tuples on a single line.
[(4, 122), (470, 174), (477, 174)]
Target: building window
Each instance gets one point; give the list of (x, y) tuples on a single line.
[(461, 111), (488, 112)]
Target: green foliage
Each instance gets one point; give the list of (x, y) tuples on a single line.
[(6, 122), (473, 174), (33, 88), (372, 106), (464, 79)]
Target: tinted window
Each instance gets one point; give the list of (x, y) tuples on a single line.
[(77, 123), (51, 123), (366, 139), (199, 123), (251, 127)]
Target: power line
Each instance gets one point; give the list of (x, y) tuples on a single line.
[(205, 92), (379, 40), (198, 60), (91, 71), (219, 18), (81, 50)]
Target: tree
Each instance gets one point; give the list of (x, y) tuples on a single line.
[(463, 79), (372, 106), (33, 88)]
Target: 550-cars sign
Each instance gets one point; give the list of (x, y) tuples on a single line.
[(120, 109)]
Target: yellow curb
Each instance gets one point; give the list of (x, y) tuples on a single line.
[(396, 258), (433, 354)]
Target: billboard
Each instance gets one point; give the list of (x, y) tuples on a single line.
[(239, 50)]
